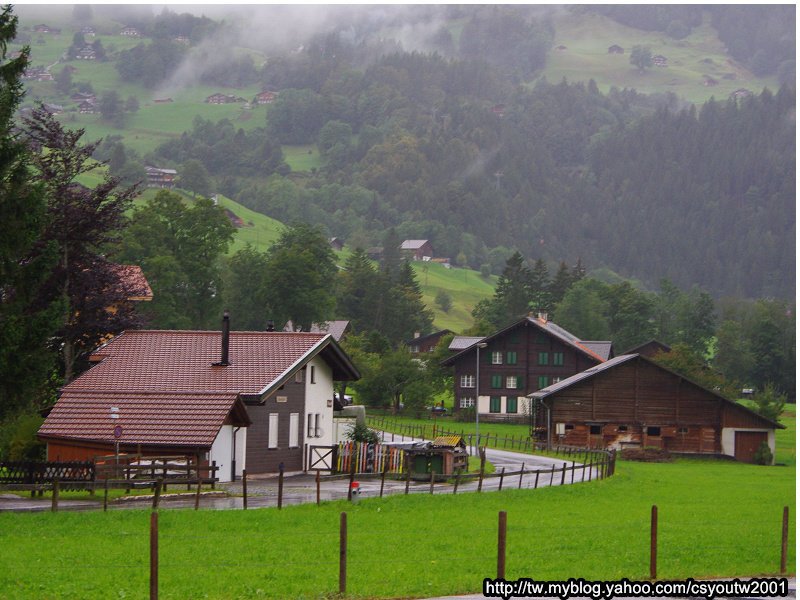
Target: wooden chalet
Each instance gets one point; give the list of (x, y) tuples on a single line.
[(508, 365), (220, 98), (417, 249), (243, 399), (336, 244), (86, 53), (422, 344), (265, 97), (616, 49), (130, 32), (160, 178), (632, 402)]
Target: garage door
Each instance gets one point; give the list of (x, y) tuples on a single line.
[(746, 444)]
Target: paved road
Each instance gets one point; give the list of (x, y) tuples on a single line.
[(300, 488)]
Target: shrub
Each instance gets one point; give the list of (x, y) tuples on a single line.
[(361, 433), (763, 455), (18, 438)]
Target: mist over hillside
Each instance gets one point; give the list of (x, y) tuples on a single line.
[(442, 122)]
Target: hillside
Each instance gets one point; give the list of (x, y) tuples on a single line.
[(443, 143)]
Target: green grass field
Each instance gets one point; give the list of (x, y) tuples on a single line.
[(716, 519), (588, 36)]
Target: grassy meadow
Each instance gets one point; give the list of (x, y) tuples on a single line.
[(588, 36), (716, 519)]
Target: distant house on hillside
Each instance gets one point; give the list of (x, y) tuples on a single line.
[(88, 30), (616, 49), (741, 93), (160, 178), (181, 39), (417, 249), (659, 60), (709, 81), (422, 344), (42, 28), (265, 97), (336, 244), (83, 97), (219, 98), (87, 108), (163, 100), (499, 110), (131, 32), (86, 53)]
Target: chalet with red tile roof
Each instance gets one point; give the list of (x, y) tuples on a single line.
[(632, 402), (245, 399), (505, 367)]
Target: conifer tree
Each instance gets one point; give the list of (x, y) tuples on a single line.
[(25, 325)]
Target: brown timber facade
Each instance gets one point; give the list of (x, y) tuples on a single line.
[(632, 402), (516, 361)]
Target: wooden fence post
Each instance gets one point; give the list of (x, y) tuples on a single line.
[(552, 474), (280, 486), (563, 472), (157, 494), (54, 503), (653, 541), (317, 482), (573, 472), (352, 475), (502, 475), (458, 478), (383, 473), (521, 473), (433, 478), (244, 489), (343, 553), (483, 466), (408, 471), (536, 483), (197, 493), (153, 555), (105, 495), (501, 544), (784, 538)]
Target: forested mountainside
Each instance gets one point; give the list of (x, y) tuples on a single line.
[(438, 122)]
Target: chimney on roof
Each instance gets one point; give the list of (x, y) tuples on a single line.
[(226, 336), (543, 316), (270, 325), (417, 334)]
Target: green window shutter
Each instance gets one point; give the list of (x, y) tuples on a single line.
[(511, 404), (520, 382), (543, 358), (543, 381), (511, 358), (558, 359), (494, 404), (497, 381)]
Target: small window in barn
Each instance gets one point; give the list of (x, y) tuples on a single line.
[(298, 377), (595, 429), (497, 358), (544, 358), (312, 378), (558, 359), (494, 404), (569, 426), (683, 430), (622, 428), (654, 431)]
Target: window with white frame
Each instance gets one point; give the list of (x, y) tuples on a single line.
[(497, 358), (310, 426), (511, 382), (312, 377), (272, 433), (466, 402), (318, 425), (468, 381), (294, 430)]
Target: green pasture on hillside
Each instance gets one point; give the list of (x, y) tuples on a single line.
[(466, 288), (716, 519), (588, 36)]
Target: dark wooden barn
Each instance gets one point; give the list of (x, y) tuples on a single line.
[(632, 402)]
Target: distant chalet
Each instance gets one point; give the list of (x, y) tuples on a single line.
[(160, 178), (131, 32), (616, 49), (265, 97), (219, 98), (42, 28), (417, 249)]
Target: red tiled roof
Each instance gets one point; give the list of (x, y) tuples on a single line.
[(169, 391), (181, 361), (191, 420)]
